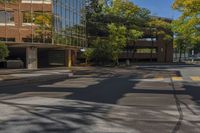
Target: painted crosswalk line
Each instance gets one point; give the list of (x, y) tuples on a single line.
[(195, 78)]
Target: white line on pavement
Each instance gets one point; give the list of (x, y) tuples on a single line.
[(150, 80)]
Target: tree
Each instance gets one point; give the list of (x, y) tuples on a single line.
[(163, 29), (134, 35), (188, 24), (117, 40), (87, 54), (100, 13), (3, 51), (102, 51), (180, 43), (115, 21), (95, 19)]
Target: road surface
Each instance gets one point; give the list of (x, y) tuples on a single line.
[(143, 99)]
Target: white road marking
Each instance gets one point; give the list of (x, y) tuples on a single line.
[(174, 78), (150, 80)]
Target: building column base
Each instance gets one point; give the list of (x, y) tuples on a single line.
[(68, 57), (31, 58)]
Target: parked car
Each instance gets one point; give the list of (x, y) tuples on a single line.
[(15, 64)]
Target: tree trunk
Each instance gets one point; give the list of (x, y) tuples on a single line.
[(86, 61), (165, 52), (180, 54), (134, 50)]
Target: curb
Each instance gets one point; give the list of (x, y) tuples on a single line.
[(32, 80)]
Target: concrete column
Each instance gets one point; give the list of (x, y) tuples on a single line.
[(74, 57), (68, 57), (31, 58)]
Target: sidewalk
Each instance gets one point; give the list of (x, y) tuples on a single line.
[(26, 76), (15, 71)]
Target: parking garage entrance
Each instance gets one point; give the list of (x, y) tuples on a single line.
[(34, 57)]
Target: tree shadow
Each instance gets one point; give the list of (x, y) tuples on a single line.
[(90, 104)]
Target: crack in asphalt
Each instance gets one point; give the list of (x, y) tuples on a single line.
[(180, 111)]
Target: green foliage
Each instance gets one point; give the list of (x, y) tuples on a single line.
[(114, 23), (117, 40), (102, 51), (100, 14), (163, 28), (134, 34), (88, 54), (188, 24), (3, 51)]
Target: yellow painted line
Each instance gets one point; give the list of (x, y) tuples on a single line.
[(177, 78), (195, 78)]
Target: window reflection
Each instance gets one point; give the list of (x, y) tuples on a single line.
[(43, 21)]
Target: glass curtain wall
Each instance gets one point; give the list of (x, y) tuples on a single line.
[(43, 21), (69, 22)]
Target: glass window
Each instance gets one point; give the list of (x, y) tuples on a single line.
[(6, 17)]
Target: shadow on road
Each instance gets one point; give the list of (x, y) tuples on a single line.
[(81, 106)]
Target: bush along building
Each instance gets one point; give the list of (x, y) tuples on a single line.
[(43, 33)]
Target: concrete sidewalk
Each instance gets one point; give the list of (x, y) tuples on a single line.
[(17, 76), (15, 71)]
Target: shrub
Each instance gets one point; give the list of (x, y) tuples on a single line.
[(4, 52)]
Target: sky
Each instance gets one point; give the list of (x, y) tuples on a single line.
[(160, 8)]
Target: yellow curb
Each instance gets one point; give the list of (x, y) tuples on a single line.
[(177, 78), (195, 78)]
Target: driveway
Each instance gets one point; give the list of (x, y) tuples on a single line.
[(143, 99)]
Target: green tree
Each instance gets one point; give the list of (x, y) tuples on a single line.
[(3, 51), (162, 28), (88, 54), (102, 51), (188, 24), (117, 40), (180, 45), (134, 35), (117, 22)]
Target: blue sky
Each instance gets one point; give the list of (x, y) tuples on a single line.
[(158, 7)]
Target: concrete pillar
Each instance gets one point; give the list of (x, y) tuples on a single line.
[(31, 58), (74, 57), (68, 57)]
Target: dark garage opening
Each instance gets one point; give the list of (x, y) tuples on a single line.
[(51, 58), (18, 54)]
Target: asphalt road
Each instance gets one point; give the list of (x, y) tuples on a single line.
[(144, 99)]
